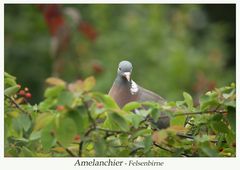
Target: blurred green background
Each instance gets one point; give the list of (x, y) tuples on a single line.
[(173, 48)]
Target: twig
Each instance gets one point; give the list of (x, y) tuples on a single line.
[(203, 112), (192, 137), (111, 131), (163, 148), (15, 104), (67, 150), (81, 143), (80, 149), (195, 113), (185, 136)]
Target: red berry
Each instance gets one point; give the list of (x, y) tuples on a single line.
[(77, 137), (100, 105), (26, 89), (19, 86), (60, 108), (225, 114), (21, 92), (28, 95), (97, 68)]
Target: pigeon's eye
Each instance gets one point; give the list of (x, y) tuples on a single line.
[(119, 68)]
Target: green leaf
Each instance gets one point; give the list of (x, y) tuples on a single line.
[(120, 121), (66, 131), (25, 121), (27, 152), (9, 82), (53, 91), (207, 102), (100, 147), (136, 119), (80, 118), (177, 120), (47, 138), (188, 99), (35, 135), (55, 81), (217, 117), (231, 137), (7, 75), (11, 90), (116, 122), (142, 132), (230, 103), (155, 113), (109, 124), (65, 98), (47, 104), (231, 116), (131, 106), (43, 120), (147, 143), (219, 127), (109, 102), (207, 150), (89, 83), (143, 113), (150, 104)]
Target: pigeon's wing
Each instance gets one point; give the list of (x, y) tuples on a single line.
[(147, 95)]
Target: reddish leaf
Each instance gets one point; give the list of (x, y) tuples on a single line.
[(88, 30)]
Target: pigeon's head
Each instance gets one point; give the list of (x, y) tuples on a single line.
[(125, 69)]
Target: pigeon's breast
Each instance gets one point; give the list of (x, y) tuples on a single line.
[(123, 94)]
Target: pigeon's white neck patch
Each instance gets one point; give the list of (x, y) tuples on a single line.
[(134, 87)]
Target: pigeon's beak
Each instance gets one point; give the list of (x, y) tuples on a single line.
[(127, 75)]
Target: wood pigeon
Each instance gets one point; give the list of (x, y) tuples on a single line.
[(125, 90)]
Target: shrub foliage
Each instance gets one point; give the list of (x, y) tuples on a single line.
[(75, 121)]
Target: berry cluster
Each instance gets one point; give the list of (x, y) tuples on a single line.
[(24, 92)]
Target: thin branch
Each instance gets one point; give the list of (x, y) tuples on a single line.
[(185, 136), (192, 137), (201, 112), (81, 143), (15, 104), (80, 149), (111, 131), (195, 113), (67, 150), (163, 148)]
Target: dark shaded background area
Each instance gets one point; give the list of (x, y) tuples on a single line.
[(173, 48)]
